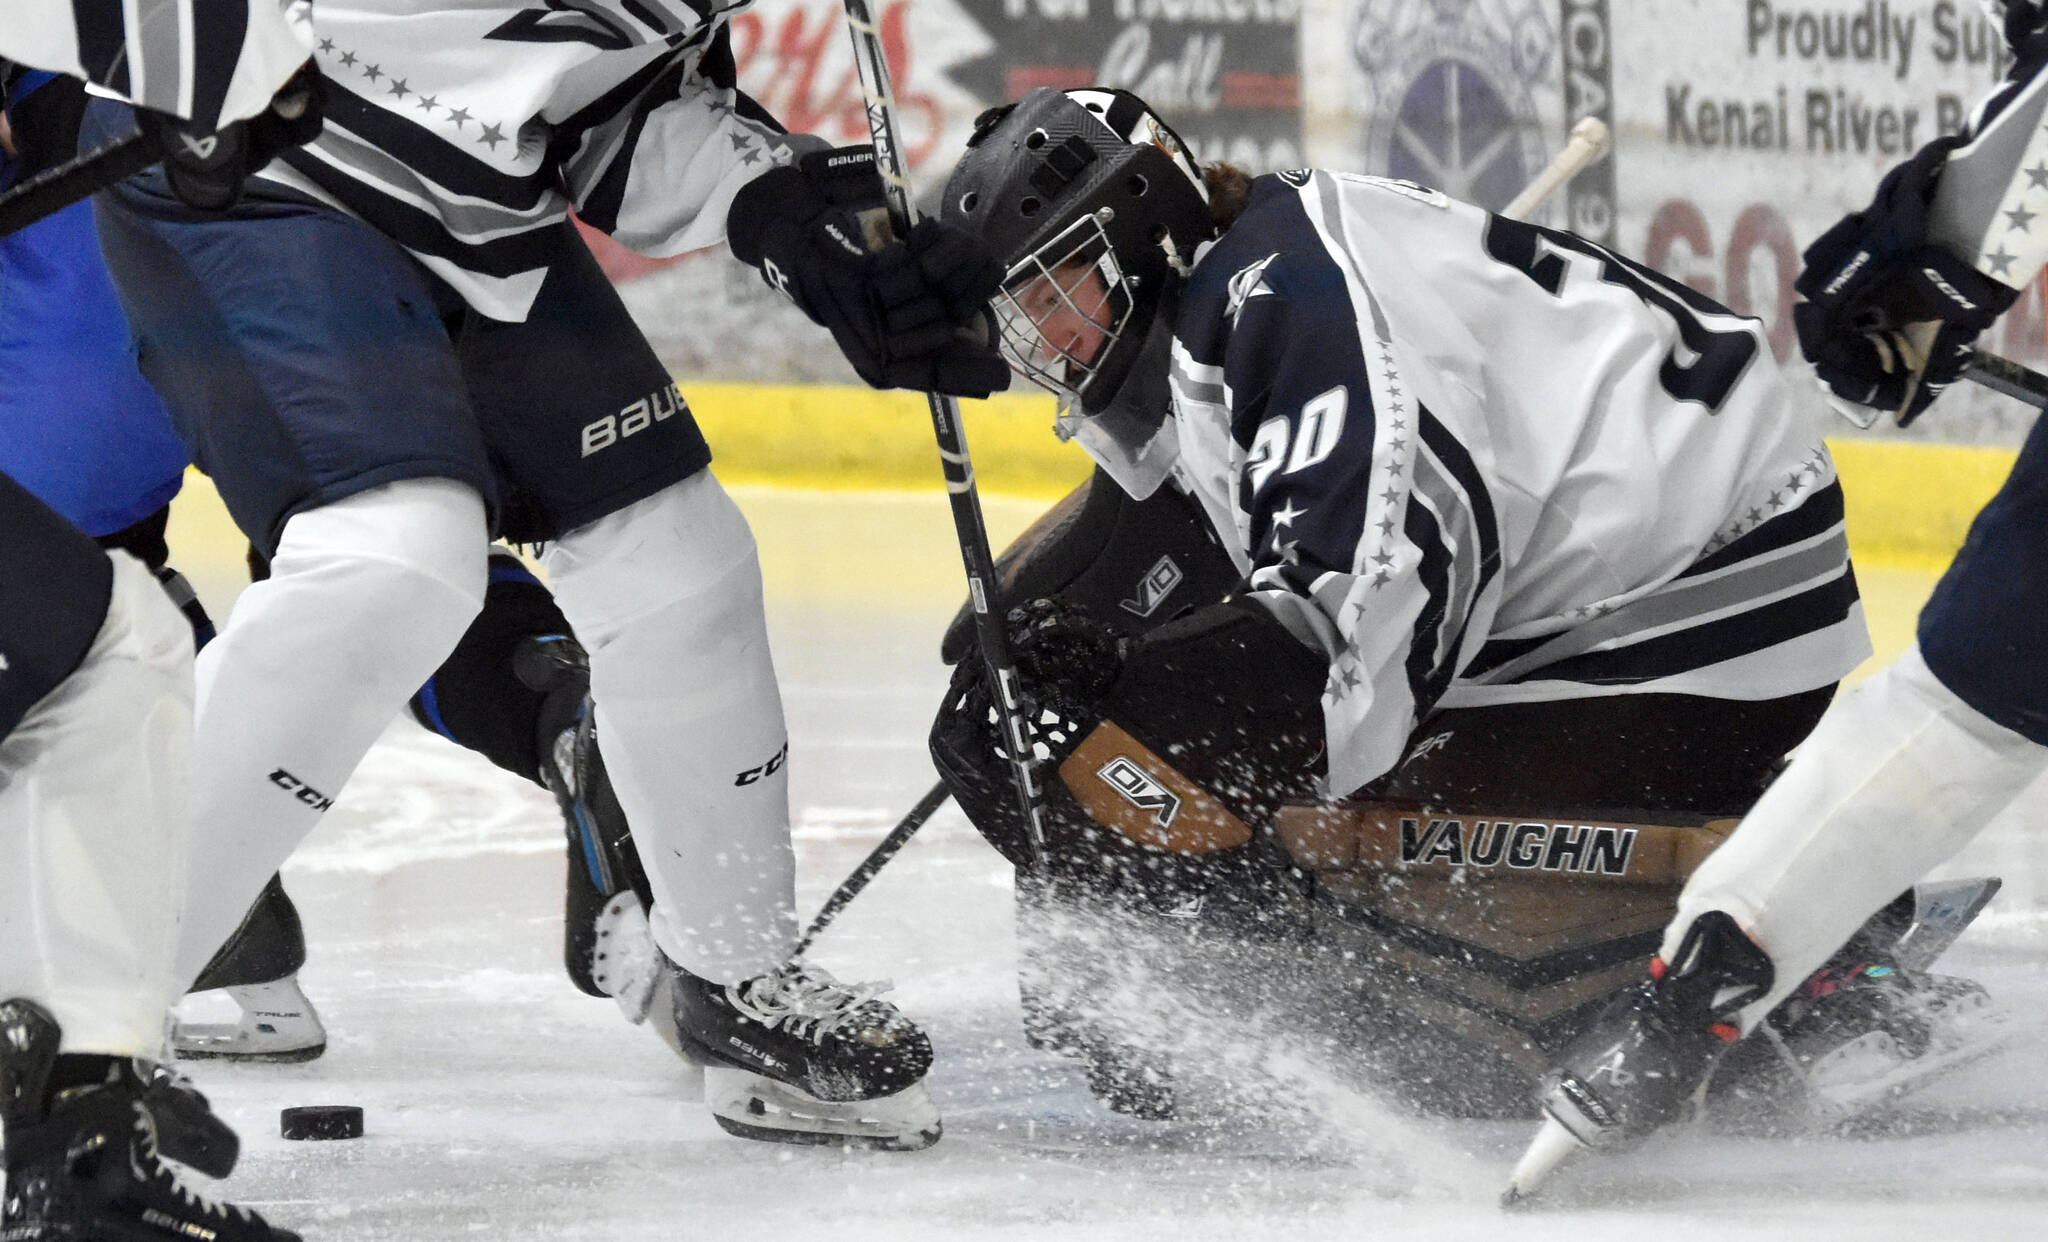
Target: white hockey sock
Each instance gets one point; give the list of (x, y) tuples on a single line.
[(365, 598), (93, 829), (1899, 775), (666, 596)]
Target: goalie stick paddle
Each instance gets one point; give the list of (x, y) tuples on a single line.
[(55, 188), (968, 525)]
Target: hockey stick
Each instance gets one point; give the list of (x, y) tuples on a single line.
[(1588, 141), (972, 532), (878, 858), (2003, 375), (53, 189)]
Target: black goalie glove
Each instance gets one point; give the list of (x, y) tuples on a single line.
[(1163, 756), (206, 170), (907, 313), (1873, 278)]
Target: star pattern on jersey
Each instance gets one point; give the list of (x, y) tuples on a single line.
[(746, 147), (2014, 249), (1388, 467), (1782, 498), (489, 135), (1345, 678)]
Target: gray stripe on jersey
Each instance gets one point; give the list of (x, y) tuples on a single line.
[(468, 220), (159, 39), (1193, 387), (1459, 532), (1693, 601)]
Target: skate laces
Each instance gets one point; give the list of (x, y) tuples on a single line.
[(810, 1003), (149, 1166)]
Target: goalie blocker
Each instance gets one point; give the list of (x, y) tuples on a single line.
[(1452, 924)]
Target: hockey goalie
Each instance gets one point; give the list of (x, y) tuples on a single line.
[(1434, 937), (1450, 586)]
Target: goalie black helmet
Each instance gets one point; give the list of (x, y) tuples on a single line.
[(1095, 208)]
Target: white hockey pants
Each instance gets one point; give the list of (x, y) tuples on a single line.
[(365, 598), (665, 594), (94, 844), (1898, 776)]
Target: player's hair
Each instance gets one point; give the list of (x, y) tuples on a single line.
[(1230, 188)]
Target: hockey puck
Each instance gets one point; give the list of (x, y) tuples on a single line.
[(321, 1121)]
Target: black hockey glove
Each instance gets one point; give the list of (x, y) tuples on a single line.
[(1873, 277), (909, 313), (206, 171)]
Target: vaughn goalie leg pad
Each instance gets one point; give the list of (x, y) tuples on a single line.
[(1170, 753)]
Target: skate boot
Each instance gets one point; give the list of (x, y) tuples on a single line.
[(606, 945), (82, 1158), (794, 1056), (187, 1130), (1645, 1060), (258, 969)]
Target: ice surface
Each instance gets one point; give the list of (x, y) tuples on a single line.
[(504, 1104)]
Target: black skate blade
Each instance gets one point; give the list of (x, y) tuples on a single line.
[(915, 1141), (289, 1056)]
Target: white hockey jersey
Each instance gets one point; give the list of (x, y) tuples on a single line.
[(212, 61), (1476, 461), (466, 129)]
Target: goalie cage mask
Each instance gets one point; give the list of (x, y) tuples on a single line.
[(1095, 208)]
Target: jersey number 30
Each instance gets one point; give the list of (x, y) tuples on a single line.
[(1706, 361)]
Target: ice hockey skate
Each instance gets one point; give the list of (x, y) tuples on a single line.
[(84, 1162), (606, 946), (1645, 1061), (794, 1056), (1870, 1026), (257, 969)]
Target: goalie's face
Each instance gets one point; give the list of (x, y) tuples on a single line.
[(1069, 309), (1061, 309)]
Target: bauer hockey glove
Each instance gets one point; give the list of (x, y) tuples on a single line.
[(1874, 276), (907, 313), (206, 171)]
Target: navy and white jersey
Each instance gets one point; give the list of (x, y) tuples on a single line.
[(1476, 461), (467, 129), (212, 61)]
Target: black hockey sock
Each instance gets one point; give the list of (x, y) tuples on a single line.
[(475, 698), (54, 588), (143, 540)]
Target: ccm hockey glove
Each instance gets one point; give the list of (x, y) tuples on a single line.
[(206, 171), (907, 313), (1874, 276)]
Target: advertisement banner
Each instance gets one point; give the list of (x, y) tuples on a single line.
[(1750, 126), (1226, 74), (1742, 128)]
